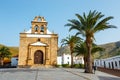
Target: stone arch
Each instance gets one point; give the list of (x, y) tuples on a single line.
[(42, 29), (39, 19), (36, 28), (38, 57)]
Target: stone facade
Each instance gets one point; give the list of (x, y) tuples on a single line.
[(38, 46)]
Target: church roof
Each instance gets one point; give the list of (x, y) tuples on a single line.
[(38, 44), (48, 32), (29, 31)]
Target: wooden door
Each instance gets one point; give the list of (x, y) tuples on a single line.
[(38, 57)]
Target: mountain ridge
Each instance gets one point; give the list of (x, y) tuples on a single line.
[(111, 49)]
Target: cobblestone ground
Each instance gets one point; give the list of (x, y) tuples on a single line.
[(97, 76), (52, 74), (37, 74)]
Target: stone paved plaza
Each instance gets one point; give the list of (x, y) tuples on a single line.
[(52, 74)]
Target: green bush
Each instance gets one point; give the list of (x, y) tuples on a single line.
[(81, 65), (66, 65), (57, 65), (78, 65)]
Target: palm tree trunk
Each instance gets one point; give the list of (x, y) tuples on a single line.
[(71, 60), (89, 58), (2, 61), (85, 63), (71, 49)]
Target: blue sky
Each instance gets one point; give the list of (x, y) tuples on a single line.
[(16, 15)]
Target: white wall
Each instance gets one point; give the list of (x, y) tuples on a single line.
[(14, 61), (66, 59), (78, 60), (112, 62), (59, 60)]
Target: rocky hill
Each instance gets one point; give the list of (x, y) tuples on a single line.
[(111, 49), (65, 50)]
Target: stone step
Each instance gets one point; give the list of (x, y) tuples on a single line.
[(41, 66)]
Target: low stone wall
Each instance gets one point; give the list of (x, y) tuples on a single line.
[(115, 72)]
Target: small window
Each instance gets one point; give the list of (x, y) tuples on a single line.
[(109, 65), (115, 63), (119, 63), (67, 57), (112, 65)]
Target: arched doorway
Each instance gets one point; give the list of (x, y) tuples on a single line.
[(38, 57)]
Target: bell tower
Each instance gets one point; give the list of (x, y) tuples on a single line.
[(39, 25)]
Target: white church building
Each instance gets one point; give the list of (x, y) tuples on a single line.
[(111, 63), (66, 59)]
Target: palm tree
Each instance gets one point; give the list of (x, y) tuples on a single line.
[(87, 26), (4, 52), (71, 41), (82, 50)]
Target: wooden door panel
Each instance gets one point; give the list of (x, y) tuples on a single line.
[(38, 57)]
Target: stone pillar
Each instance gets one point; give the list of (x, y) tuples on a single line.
[(29, 53), (46, 56), (45, 29), (29, 56)]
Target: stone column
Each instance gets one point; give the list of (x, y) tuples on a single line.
[(46, 56), (29, 55)]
